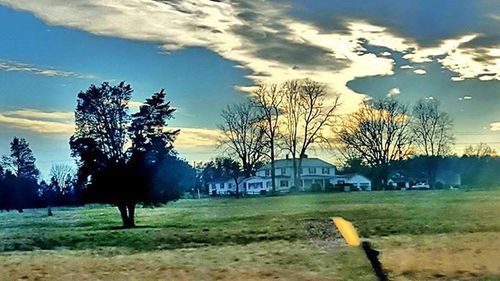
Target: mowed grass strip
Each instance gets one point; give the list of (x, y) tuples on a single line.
[(229, 221)]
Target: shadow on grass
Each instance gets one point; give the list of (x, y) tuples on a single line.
[(121, 227)]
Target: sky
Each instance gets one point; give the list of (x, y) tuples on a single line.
[(208, 54)]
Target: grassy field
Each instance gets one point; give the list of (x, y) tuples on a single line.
[(446, 235)]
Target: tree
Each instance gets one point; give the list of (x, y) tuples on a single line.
[(269, 100), (307, 112), (432, 128), (433, 137), (480, 150), (20, 180), (151, 155), (377, 134), (61, 176), (21, 160), (116, 175), (242, 135)]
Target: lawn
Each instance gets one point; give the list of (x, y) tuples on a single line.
[(422, 235)]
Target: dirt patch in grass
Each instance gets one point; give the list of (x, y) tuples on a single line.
[(468, 256), (323, 235)]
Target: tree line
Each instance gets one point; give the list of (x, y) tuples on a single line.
[(298, 116)]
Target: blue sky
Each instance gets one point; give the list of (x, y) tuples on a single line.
[(206, 53)]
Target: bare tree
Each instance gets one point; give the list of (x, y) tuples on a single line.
[(242, 135), (268, 100), (377, 134), (307, 111), (480, 150), (62, 174), (432, 128)]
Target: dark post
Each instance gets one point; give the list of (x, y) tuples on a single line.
[(372, 255)]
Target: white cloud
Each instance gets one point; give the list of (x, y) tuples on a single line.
[(135, 104), (465, 61), (406, 67), (385, 54), (218, 28), (457, 78), (495, 126), (394, 92), (13, 66), (467, 97), (420, 71)]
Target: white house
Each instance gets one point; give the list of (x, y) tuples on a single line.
[(312, 171), (358, 182), (225, 187)]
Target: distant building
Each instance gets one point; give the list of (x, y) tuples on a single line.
[(314, 172), (226, 186), (355, 181)]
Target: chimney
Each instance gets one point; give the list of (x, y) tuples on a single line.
[(287, 157)]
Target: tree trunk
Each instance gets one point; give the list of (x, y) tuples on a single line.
[(295, 172), (127, 212), (299, 172), (273, 169), (237, 188), (131, 215)]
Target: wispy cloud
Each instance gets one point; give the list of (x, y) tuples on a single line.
[(39, 121), (38, 114), (62, 123), (14, 66), (197, 138)]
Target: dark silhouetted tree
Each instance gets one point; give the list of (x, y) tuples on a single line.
[(21, 161), (120, 176), (377, 134), (21, 177)]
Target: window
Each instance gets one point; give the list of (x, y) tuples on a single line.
[(325, 171), (283, 183), (268, 172), (268, 184), (283, 171), (312, 170)]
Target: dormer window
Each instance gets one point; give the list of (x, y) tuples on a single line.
[(325, 171), (312, 170)]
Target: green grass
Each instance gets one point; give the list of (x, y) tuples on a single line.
[(212, 223)]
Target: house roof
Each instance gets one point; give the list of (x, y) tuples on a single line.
[(350, 176), (225, 180), (306, 162)]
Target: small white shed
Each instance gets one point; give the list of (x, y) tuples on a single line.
[(357, 181)]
